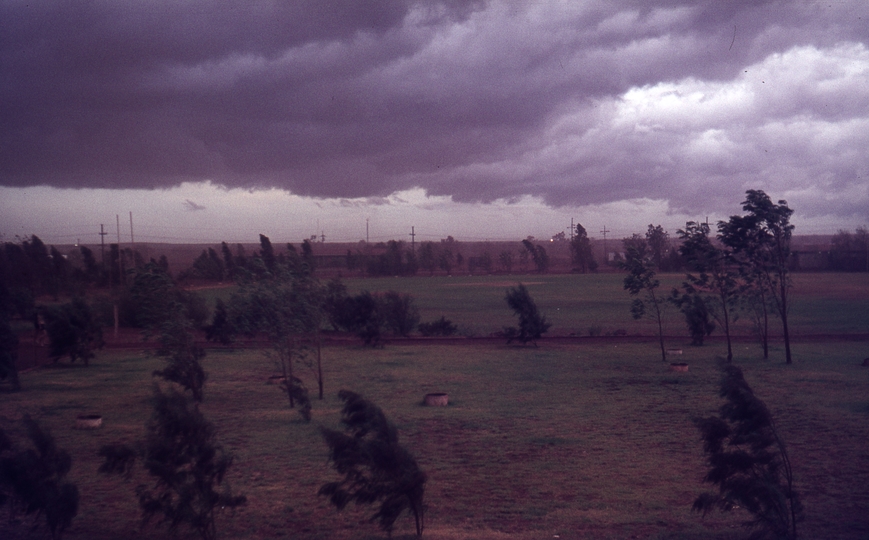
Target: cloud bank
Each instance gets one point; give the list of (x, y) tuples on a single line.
[(574, 103)]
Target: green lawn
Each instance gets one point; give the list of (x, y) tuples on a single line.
[(822, 303), (578, 441)]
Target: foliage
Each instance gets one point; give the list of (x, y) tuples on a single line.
[(760, 241), (220, 329), (289, 311), (208, 266), (368, 315), (8, 348), (374, 466), (538, 255), (334, 297), (150, 298), (153, 297), (748, 462), (850, 252), (399, 313), (712, 275), (641, 280), (72, 330), (361, 316), (183, 357), (438, 327), (532, 325), (428, 259), (181, 453), (33, 479), (29, 265), (580, 248), (395, 261), (697, 317)]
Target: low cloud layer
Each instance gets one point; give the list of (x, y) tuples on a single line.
[(686, 102)]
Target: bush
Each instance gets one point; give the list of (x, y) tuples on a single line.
[(73, 330), (34, 479), (748, 462), (532, 325), (439, 327), (374, 466), (398, 312), (181, 453)]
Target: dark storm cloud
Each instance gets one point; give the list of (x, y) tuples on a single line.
[(692, 102)]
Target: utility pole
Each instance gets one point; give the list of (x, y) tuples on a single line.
[(103, 246), (571, 229), (605, 253), (132, 240), (120, 251), (366, 230), (412, 240)]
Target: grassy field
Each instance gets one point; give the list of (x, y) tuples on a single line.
[(822, 303), (579, 441)]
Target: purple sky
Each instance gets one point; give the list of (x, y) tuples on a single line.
[(469, 118)]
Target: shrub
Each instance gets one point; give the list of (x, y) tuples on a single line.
[(438, 327), (73, 330), (748, 462), (34, 479), (532, 325), (374, 466), (181, 453)]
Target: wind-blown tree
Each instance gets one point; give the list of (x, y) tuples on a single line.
[(374, 467), (642, 284), (505, 260), (188, 467), (286, 303), (659, 244), (532, 324), (428, 259), (697, 317), (33, 479), (220, 329), (183, 356), (8, 340), (73, 330), (761, 240), (538, 255), (289, 314), (8, 354), (580, 248), (748, 462), (712, 275)]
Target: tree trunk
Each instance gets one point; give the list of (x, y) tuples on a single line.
[(319, 366), (783, 288), (660, 326), (287, 366), (726, 326)]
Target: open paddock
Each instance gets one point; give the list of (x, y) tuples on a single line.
[(562, 440)]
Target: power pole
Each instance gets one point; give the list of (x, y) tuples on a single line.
[(366, 230), (103, 246), (412, 240), (571, 229), (132, 240), (605, 253)]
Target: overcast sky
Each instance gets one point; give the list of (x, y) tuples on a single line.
[(474, 119)]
